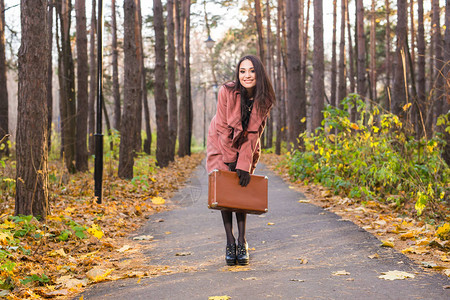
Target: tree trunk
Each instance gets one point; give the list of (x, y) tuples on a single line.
[(351, 57), (68, 101), (373, 71), (259, 29), (269, 55), (92, 79), (132, 86), (446, 152), (81, 158), (387, 62), (148, 130), (361, 49), (399, 89), (438, 62), (304, 56), (333, 57), (296, 105), (139, 53), (421, 79), (31, 147), (171, 79), (115, 67), (342, 86), (180, 28), (162, 125), (4, 128), (50, 72), (278, 89), (187, 69), (318, 62)]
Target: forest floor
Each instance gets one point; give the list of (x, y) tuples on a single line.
[(83, 242), (396, 227)]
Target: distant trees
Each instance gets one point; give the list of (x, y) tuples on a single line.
[(318, 87), (31, 147)]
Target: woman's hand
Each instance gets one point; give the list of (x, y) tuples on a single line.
[(232, 166), (244, 177)]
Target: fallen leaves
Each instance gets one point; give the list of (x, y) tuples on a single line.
[(340, 273), (83, 242), (396, 275), (219, 298)]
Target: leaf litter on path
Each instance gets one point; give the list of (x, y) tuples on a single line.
[(396, 275)]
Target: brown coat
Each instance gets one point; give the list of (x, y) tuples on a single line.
[(226, 138)]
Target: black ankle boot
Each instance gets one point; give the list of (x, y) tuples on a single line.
[(242, 254), (230, 254)]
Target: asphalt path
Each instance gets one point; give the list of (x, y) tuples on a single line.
[(298, 256)]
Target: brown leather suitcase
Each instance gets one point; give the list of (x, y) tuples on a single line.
[(225, 193)]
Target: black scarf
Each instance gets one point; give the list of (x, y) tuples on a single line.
[(246, 110)]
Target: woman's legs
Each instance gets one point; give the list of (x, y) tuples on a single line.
[(241, 220), (227, 218)]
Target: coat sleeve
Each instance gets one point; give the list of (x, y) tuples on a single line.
[(225, 132), (248, 148)]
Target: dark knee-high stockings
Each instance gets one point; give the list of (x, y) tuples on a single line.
[(227, 218)]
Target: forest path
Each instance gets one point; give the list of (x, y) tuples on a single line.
[(190, 243)]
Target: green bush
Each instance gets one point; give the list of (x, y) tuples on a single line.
[(372, 159)]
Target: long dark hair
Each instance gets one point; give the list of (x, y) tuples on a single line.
[(263, 94)]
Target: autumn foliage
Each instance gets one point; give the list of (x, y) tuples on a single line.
[(82, 242)]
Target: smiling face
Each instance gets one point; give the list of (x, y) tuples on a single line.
[(247, 75)]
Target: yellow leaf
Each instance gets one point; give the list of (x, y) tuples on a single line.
[(88, 254), (270, 223), (124, 248), (354, 126), (303, 201), (98, 274), (443, 232), (59, 252), (5, 236), (158, 200), (445, 258), (408, 250), (387, 244), (168, 232), (54, 218), (303, 120), (96, 231), (408, 235), (406, 106), (219, 298), (8, 224), (395, 275)]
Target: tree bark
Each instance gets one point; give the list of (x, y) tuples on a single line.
[(269, 132), (171, 79), (92, 79), (373, 71), (342, 86), (361, 49), (304, 56), (180, 29), (4, 127), (259, 29), (387, 62), (399, 91), (318, 88), (421, 79), (115, 67), (446, 152), (278, 87), (132, 86), (31, 147), (351, 57), (438, 62), (333, 57), (49, 72), (81, 157), (296, 105), (148, 130), (162, 132), (68, 100), (139, 53)]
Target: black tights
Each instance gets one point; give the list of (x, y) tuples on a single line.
[(227, 217)]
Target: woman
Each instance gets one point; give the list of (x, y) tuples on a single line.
[(234, 138)]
